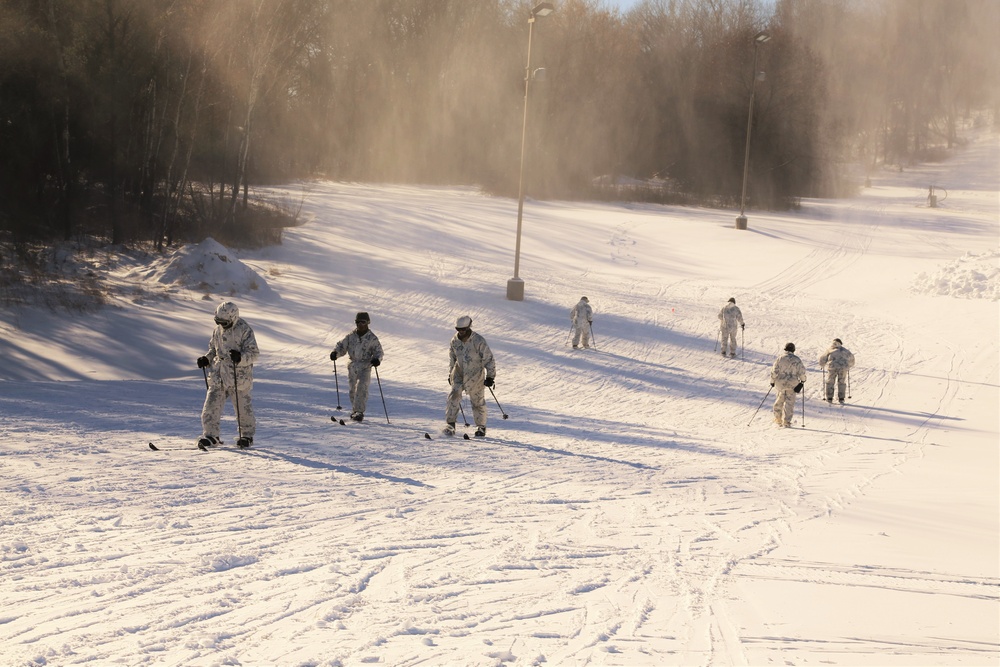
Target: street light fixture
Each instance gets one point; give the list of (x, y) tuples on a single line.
[(758, 39), (515, 286)]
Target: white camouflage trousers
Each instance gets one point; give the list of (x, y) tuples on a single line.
[(838, 377), (359, 377), (729, 335), (477, 396), (215, 400), (784, 403)]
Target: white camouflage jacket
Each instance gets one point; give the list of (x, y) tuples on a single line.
[(469, 359), (837, 357), (730, 316), (788, 370), (361, 349), (237, 337), (581, 312)]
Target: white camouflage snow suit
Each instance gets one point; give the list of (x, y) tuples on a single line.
[(581, 316), (361, 350), (787, 372), (837, 360), (469, 361), (222, 382), (730, 320)]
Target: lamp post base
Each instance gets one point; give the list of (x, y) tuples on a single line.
[(515, 289), (741, 222)]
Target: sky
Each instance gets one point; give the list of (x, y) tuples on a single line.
[(632, 504), (624, 5)]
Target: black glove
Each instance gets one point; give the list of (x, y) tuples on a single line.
[(203, 362), (743, 326), (772, 384), (488, 382), (235, 356), (797, 388), (333, 356), (375, 362)]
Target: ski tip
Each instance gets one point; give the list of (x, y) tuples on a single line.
[(153, 447), (342, 422), (427, 435), (465, 436)]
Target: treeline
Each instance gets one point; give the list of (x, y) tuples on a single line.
[(152, 120)]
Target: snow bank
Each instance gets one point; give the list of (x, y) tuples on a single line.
[(209, 267), (972, 276)]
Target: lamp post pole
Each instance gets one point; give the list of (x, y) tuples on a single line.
[(515, 286), (759, 38)]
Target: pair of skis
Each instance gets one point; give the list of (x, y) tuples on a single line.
[(427, 435), (450, 434), (200, 445)]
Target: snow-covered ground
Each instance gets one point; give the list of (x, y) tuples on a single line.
[(632, 510)]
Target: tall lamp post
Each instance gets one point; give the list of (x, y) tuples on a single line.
[(759, 38), (515, 286)]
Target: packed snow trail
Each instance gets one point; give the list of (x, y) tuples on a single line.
[(625, 513)]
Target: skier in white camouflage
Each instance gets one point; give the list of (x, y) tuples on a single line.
[(232, 352), (365, 352), (729, 317), (581, 316), (837, 361), (470, 358), (788, 377)]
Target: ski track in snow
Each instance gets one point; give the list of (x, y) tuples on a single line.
[(607, 521)]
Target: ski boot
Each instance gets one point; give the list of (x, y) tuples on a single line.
[(481, 432), (206, 441), (244, 443), (449, 429)]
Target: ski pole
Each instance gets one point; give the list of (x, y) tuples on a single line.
[(822, 368), (205, 373), (236, 400), (761, 404), (593, 341), (338, 383), (848, 383), (464, 418), (718, 337), (569, 336), (743, 344), (384, 409), (803, 407), (505, 415)]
